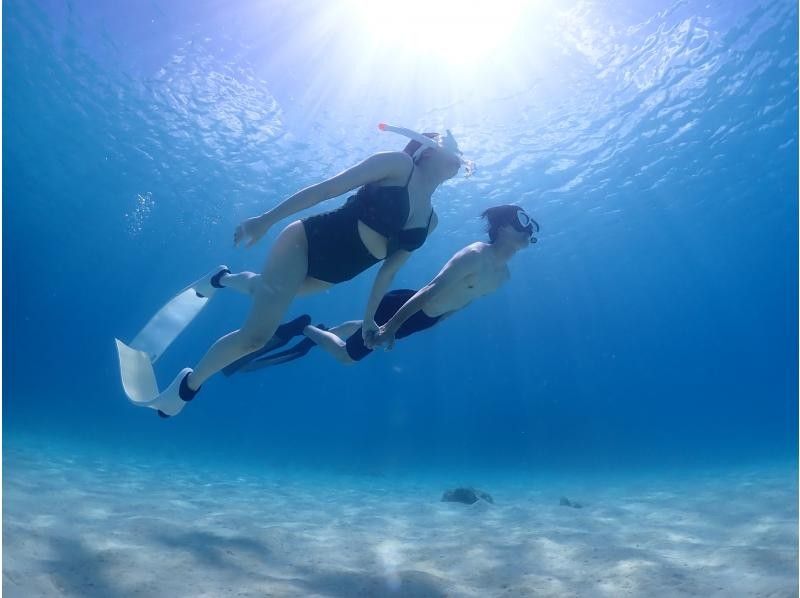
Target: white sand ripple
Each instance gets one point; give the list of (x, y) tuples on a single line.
[(81, 527)]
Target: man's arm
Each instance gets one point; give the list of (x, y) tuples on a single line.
[(461, 265)]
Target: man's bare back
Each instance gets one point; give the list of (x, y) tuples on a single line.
[(486, 275)]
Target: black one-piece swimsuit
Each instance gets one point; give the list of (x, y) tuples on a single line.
[(336, 252)]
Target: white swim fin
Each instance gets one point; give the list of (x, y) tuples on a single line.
[(136, 361), (139, 382), (175, 316), (138, 377)]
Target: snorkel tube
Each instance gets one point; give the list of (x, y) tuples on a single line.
[(446, 144)]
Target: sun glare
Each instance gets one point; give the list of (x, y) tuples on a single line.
[(459, 32)]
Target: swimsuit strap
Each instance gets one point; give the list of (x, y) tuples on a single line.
[(410, 174)]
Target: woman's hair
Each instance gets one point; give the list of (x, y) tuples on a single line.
[(499, 216), (412, 146)]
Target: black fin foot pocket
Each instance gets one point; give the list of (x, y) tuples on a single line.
[(296, 326), (186, 393), (215, 280)]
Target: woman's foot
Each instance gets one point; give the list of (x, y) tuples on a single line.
[(174, 398), (209, 285)]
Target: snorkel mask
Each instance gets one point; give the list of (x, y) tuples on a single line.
[(525, 224), (444, 143)]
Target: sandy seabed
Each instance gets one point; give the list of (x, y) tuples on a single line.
[(93, 527)]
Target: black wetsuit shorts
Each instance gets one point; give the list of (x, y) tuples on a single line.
[(390, 305)]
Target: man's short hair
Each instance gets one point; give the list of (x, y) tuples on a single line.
[(498, 216)]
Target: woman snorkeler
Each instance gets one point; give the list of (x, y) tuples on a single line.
[(384, 221)]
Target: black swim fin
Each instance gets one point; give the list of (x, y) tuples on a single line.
[(282, 336), (295, 352)]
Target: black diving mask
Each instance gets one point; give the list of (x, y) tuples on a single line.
[(526, 224)]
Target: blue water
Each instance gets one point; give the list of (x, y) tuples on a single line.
[(654, 325), (642, 359)]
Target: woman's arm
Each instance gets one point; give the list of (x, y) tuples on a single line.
[(376, 168), (379, 288), (375, 296), (372, 170)]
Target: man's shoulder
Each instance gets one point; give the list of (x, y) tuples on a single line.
[(474, 250), (469, 256)]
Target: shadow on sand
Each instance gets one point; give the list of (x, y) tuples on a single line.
[(212, 549), (344, 584), (79, 571)]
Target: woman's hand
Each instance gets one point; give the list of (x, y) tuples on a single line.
[(384, 336), (368, 331), (251, 230)]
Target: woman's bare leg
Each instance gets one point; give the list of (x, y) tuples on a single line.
[(246, 283), (241, 282), (283, 275)]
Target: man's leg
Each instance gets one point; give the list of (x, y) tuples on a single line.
[(332, 341)]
